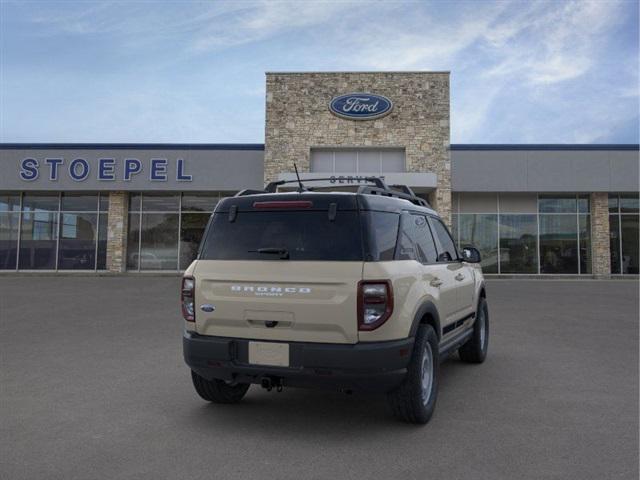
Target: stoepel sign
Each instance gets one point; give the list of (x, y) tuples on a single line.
[(360, 106), (106, 169)]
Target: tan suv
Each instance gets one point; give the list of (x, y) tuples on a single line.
[(359, 290)]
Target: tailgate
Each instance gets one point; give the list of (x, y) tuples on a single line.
[(303, 301)]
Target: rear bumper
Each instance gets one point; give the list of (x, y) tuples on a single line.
[(379, 366)]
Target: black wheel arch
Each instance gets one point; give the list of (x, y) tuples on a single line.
[(482, 294), (427, 314)]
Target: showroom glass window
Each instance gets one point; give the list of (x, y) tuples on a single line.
[(9, 229), (165, 229), (83, 233), (565, 240), (525, 233), (518, 243), (481, 231), (623, 233), (476, 223), (39, 231), (53, 231)]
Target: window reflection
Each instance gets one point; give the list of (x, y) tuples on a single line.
[(38, 238), (9, 202), (40, 201), (614, 243), (165, 229), (159, 241), (53, 230), (630, 245), (584, 222), (153, 202), (79, 202), (481, 231), (133, 242), (518, 244), (191, 231), (558, 244), (77, 249), (199, 202), (101, 261), (9, 222), (557, 204), (629, 203), (624, 240)]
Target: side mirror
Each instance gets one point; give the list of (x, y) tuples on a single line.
[(471, 254)]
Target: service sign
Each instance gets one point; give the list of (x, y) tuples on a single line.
[(360, 106)]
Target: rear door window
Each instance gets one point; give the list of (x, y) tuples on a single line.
[(416, 242), (308, 235), (424, 239), (446, 248)]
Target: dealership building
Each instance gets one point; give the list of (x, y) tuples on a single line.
[(530, 209)]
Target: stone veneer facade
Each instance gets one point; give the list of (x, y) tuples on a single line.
[(600, 246), (298, 119), (117, 231)]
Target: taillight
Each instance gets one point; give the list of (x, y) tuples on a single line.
[(375, 303), (187, 298), (284, 204)]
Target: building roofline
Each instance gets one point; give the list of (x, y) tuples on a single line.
[(544, 146), (260, 146), (443, 72), (132, 146)]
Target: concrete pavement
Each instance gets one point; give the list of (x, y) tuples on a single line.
[(93, 386)]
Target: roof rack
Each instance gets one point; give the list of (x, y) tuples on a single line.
[(379, 188), (249, 191), (394, 191)]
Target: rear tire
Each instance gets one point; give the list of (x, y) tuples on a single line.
[(218, 391), (415, 399), (475, 350)]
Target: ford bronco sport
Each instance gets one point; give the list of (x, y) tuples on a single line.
[(359, 290)]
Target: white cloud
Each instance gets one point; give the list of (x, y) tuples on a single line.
[(521, 71), (265, 19), (419, 39), (546, 43)]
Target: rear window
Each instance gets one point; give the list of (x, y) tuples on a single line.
[(308, 235), (381, 232)]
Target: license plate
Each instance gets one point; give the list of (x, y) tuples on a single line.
[(269, 353)]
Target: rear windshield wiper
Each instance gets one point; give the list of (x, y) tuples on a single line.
[(283, 252)]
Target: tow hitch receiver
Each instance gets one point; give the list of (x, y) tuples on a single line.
[(269, 383)]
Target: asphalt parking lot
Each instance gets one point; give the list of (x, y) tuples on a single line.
[(94, 386)]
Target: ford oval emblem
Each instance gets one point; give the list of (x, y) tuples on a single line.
[(360, 106), (207, 308)]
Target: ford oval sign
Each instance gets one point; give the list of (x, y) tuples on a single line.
[(360, 106)]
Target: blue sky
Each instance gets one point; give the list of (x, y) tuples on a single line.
[(521, 72)]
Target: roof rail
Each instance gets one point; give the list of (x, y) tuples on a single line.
[(249, 191), (379, 188), (406, 193)]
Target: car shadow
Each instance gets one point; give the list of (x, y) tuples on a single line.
[(326, 412)]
